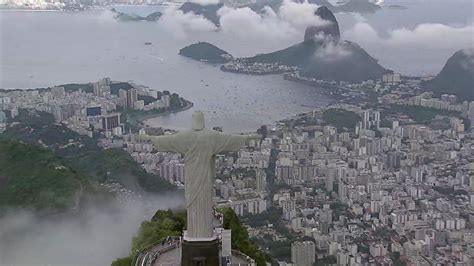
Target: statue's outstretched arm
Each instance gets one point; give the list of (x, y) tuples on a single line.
[(168, 143), (227, 142), (254, 137)]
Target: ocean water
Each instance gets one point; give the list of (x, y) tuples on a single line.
[(48, 48)]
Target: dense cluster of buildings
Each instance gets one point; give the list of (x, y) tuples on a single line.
[(386, 191), (370, 195), (69, 5), (83, 109), (375, 194), (254, 68)]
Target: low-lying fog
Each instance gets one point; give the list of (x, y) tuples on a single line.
[(97, 236)]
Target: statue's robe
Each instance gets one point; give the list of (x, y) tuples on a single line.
[(199, 148)]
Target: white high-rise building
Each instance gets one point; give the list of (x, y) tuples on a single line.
[(261, 178), (366, 120), (303, 253)]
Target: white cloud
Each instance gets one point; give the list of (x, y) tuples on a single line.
[(469, 63), (205, 2), (377, 2), (300, 15), (359, 17), (362, 33), (426, 47), (179, 23), (433, 35), (332, 52), (247, 23), (96, 236), (289, 22), (424, 36)]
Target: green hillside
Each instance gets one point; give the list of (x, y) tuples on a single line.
[(456, 77), (163, 224), (83, 154), (35, 178), (342, 61), (168, 223), (342, 119), (296, 55)]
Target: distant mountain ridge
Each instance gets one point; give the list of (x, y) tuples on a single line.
[(456, 77), (155, 16), (359, 6), (210, 11)]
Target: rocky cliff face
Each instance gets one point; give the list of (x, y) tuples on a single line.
[(330, 30), (456, 77)]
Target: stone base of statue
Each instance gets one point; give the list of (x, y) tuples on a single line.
[(200, 252)]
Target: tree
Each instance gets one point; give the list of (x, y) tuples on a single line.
[(127, 261)]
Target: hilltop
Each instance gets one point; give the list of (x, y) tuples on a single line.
[(323, 56), (456, 77), (330, 30), (203, 51)]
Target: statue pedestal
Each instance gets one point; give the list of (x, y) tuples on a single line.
[(200, 252)]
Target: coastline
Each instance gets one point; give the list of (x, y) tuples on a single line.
[(30, 10), (223, 68), (141, 119), (330, 90), (98, 7)]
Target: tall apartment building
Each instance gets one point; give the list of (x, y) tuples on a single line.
[(303, 253), (261, 178), (128, 97), (110, 121)]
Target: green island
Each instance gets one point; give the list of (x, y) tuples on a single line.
[(206, 52)]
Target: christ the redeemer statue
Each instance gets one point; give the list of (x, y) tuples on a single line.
[(199, 146)]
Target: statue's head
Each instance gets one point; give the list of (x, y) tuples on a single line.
[(198, 120)]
